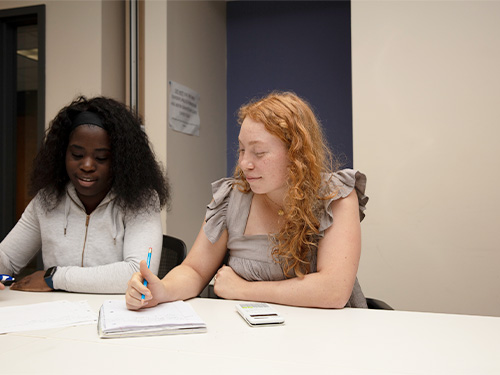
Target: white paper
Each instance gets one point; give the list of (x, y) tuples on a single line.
[(183, 113), (45, 315)]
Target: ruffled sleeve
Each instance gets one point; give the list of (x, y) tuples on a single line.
[(215, 217), (344, 182)]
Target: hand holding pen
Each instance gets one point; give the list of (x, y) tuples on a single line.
[(141, 293)]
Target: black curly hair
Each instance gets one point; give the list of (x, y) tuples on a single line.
[(139, 181)]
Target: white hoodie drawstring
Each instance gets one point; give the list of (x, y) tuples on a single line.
[(66, 213)]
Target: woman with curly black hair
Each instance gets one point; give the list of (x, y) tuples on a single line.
[(98, 195)]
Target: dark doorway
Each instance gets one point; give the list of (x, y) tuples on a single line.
[(22, 103)]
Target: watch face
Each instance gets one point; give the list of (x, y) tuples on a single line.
[(50, 272)]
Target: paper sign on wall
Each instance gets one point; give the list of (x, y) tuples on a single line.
[(183, 113)]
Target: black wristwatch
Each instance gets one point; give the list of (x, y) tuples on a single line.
[(48, 276)]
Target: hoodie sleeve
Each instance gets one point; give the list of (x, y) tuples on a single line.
[(23, 241)]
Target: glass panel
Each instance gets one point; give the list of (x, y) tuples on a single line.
[(27, 84)]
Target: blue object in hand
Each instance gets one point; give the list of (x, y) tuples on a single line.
[(6, 279), (149, 263)]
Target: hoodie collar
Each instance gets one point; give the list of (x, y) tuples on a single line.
[(71, 191), (72, 196)]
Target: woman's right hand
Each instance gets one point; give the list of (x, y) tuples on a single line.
[(153, 294)]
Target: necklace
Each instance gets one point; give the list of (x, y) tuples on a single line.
[(280, 210)]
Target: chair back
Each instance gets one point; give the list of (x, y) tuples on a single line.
[(377, 304), (173, 253)]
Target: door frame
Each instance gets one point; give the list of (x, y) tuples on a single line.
[(10, 19)]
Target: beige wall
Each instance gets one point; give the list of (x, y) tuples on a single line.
[(113, 55), (84, 55), (426, 109), (197, 59), (155, 78), (195, 33), (80, 48)]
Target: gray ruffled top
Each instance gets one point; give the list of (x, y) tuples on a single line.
[(250, 256)]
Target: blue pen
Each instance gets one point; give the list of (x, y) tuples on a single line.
[(149, 263)]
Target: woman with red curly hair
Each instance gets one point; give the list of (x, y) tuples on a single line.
[(290, 221)]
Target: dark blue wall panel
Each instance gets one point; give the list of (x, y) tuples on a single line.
[(302, 46)]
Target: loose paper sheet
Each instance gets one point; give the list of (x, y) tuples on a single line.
[(183, 113), (45, 315)]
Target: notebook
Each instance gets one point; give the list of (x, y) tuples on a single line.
[(178, 317)]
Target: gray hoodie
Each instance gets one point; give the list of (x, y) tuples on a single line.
[(96, 253)]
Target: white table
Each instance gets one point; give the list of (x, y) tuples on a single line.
[(312, 341)]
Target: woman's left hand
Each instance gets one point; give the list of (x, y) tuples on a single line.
[(32, 283), (227, 284)]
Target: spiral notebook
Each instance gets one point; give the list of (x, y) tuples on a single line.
[(171, 318)]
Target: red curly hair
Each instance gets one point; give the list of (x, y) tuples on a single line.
[(292, 120)]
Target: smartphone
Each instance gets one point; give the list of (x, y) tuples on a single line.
[(259, 314), (6, 279)]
